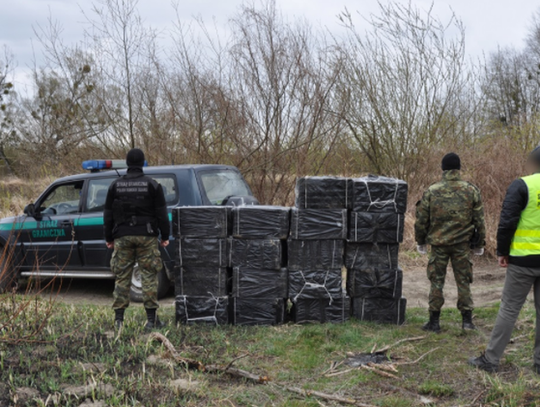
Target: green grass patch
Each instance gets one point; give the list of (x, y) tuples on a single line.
[(435, 388), (76, 345)]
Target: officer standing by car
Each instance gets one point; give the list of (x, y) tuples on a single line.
[(518, 250), (448, 216), (135, 215)]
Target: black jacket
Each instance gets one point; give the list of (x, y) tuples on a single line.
[(135, 206), (516, 200)]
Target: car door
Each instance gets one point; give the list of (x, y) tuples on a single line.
[(95, 255), (50, 241)]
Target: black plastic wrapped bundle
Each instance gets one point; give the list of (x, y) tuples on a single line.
[(379, 194), (203, 252), (382, 310), (315, 254), (206, 310), (307, 310), (258, 311), (315, 284), (368, 227), (365, 255), (201, 221), (249, 283), (260, 222), (323, 193), (201, 281), (318, 224), (375, 283), (257, 254)]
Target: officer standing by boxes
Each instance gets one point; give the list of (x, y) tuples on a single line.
[(518, 250), (135, 214), (448, 216)]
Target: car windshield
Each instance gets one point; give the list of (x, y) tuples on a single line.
[(221, 184)]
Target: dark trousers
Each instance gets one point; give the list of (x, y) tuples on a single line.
[(517, 285)]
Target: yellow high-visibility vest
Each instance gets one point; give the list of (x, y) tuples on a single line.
[(526, 241)]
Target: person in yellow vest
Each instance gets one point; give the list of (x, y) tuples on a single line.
[(518, 250)]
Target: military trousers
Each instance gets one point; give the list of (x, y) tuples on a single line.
[(517, 285), (458, 255), (143, 251)]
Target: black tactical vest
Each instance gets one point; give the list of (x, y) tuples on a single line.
[(133, 204)]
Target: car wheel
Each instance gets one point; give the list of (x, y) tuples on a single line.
[(136, 294)]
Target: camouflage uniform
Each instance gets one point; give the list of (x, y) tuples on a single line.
[(446, 218), (129, 250)]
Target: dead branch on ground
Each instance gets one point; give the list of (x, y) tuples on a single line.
[(387, 348), (325, 396), (232, 371)]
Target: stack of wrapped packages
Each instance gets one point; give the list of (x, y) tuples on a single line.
[(259, 276), (202, 266), (241, 265), (315, 250), (374, 279)]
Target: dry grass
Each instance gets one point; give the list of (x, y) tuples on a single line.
[(16, 193)]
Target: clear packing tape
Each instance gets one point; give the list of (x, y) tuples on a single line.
[(375, 283), (381, 310), (372, 227), (203, 252), (260, 222), (318, 224), (201, 221), (208, 310), (258, 311), (249, 283), (366, 255), (323, 192), (201, 281), (379, 194), (307, 310), (315, 284)]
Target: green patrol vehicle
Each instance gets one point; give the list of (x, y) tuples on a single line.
[(61, 234)]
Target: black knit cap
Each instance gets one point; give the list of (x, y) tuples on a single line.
[(135, 158), (535, 155), (451, 161)]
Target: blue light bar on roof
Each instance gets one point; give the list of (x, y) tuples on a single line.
[(96, 165)]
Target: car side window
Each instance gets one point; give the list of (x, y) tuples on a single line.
[(97, 194), (62, 199), (169, 188)]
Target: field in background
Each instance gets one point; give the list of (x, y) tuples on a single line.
[(492, 167)]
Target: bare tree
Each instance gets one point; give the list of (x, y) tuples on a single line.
[(119, 36), (7, 132), (284, 82), (403, 85)]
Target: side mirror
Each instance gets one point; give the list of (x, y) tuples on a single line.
[(30, 209)]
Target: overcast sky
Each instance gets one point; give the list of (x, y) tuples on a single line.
[(489, 23)]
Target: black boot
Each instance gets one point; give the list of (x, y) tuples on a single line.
[(482, 363), (433, 324), (153, 320), (467, 321), (119, 318)]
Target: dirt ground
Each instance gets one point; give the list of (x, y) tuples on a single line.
[(488, 280), (487, 287)]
